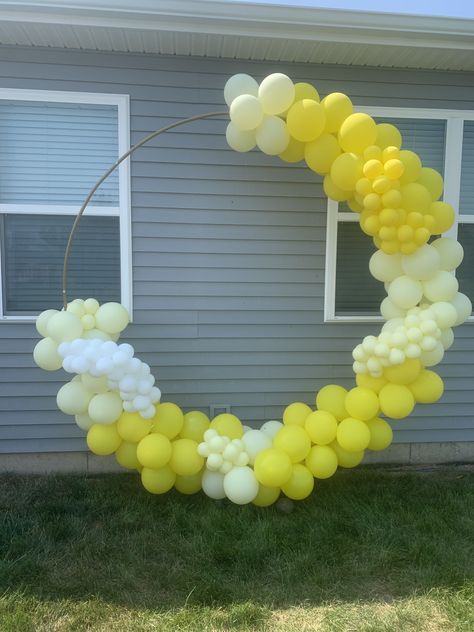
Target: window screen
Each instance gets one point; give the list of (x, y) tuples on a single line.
[(466, 202), (465, 272)]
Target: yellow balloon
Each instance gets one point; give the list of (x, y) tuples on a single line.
[(300, 485), (321, 153), (427, 388), (372, 169), (306, 120), (357, 132), (394, 168), (396, 401), (103, 439), (367, 381), (415, 197), (273, 468), (433, 181), (443, 214), (154, 450), (126, 456), (346, 171), (189, 484), (392, 199), (412, 166), (362, 403), (266, 496), (404, 373), (322, 461), (132, 427), (305, 91), (345, 458), (334, 192), (228, 425), (381, 185), (388, 136), (337, 107), (296, 413), (331, 398), (294, 151), (353, 435), (321, 427), (294, 440), (195, 424), (168, 420), (381, 434), (158, 481), (185, 460)]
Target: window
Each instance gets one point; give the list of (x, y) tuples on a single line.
[(53, 148), (445, 141)]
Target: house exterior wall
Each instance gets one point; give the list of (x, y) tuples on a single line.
[(228, 252)]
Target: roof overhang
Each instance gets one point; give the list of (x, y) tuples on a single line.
[(215, 28)]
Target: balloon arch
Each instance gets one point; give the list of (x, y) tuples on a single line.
[(113, 395)]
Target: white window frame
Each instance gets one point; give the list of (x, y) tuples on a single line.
[(452, 192), (122, 211)]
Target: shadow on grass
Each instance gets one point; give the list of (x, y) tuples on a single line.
[(364, 534)]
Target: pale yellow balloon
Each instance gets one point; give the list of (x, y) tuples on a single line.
[(64, 327), (272, 136), (246, 112), (46, 355), (43, 319), (105, 408), (73, 398), (111, 318), (240, 140), (276, 93)]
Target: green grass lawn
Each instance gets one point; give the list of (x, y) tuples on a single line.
[(372, 550)]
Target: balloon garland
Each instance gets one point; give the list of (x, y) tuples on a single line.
[(113, 395)]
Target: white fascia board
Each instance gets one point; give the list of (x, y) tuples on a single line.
[(249, 19)]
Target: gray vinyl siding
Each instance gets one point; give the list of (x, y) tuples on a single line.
[(228, 252)]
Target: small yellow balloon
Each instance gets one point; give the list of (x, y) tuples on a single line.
[(337, 107), (427, 388), (158, 481), (294, 151), (321, 153), (300, 485), (154, 450), (189, 484), (185, 460), (357, 132), (331, 398), (306, 120), (381, 434), (132, 427), (346, 170), (296, 413), (322, 461), (388, 136), (103, 439), (321, 427), (168, 420), (362, 403), (353, 435), (228, 425), (126, 456), (273, 468), (266, 496), (394, 169), (396, 401), (294, 440), (347, 459), (404, 373), (195, 424)]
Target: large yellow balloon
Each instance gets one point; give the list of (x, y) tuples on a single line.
[(154, 450), (362, 403), (347, 459), (321, 461), (266, 496), (294, 440), (433, 181), (346, 170), (331, 398), (102, 439), (185, 460), (412, 166), (381, 434), (228, 425), (334, 192), (158, 481), (357, 132), (296, 413), (189, 484), (443, 214), (300, 485), (353, 435), (305, 91), (404, 373), (321, 427), (306, 120), (168, 420), (195, 424), (132, 427), (427, 388), (388, 136), (273, 468), (321, 153), (126, 456), (294, 151), (396, 401), (367, 381), (337, 107)]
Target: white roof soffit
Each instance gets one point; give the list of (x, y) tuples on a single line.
[(215, 28)]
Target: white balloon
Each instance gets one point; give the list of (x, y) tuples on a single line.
[(447, 338), (213, 484), (241, 485), (272, 136), (155, 394), (276, 93), (254, 442), (141, 402), (149, 412), (463, 307), (246, 112), (270, 428), (240, 140), (239, 84), (433, 357)]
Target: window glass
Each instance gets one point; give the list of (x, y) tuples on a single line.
[(466, 202), (465, 272)]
